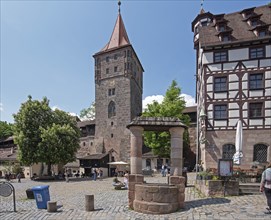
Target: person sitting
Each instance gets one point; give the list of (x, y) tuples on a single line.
[(125, 181), (117, 183)]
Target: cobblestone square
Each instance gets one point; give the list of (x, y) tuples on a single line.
[(113, 204)]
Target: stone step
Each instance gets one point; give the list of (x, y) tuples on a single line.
[(246, 189)]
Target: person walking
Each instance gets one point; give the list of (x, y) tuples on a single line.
[(265, 186), (19, 177)]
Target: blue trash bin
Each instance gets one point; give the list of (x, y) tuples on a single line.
[(42, 196)]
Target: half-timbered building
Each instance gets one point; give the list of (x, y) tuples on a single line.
[(233, 69)]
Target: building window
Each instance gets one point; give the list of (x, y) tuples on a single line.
[(111, 109), (107, 59), (115, 56), (220, 112), (228, 151), (112, 123), (221, 56), (107, 70), (220, 84), (148, 163), (260, 153), (256, 110), (257, 52), (84, 143), (115, 69), (91, 143), (256, 81), (112, 135)]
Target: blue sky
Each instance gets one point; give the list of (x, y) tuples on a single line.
[(47, 47)]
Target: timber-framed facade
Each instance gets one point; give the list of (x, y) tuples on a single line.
[(233, 54)]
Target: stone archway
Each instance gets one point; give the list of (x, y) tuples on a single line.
[(156, 198)]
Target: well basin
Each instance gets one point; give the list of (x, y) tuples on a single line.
[(154, 198)]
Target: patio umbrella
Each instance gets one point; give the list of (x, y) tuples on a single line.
[(118, 163), (238, 143)]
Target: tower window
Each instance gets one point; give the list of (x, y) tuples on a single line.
[(112, 123), (107, 59), (111, 92), (115, 69), (91, 143), (107, 70), (111, 109), (115, 56), (112, 135)]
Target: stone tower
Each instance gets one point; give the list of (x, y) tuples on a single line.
[(118, 93)]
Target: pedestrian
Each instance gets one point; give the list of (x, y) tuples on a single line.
[(266, 186), (163, 170), (126, 179), (94, 174), (19, 177)]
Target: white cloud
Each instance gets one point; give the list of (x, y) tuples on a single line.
[(150, 99), (190, 101), (70, 113), (1, 107)]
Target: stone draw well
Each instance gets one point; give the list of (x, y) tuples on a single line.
[(156, 198)]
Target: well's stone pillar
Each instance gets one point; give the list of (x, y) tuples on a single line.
[(179, 181), (133, 179), (136, 149), (176, 154)]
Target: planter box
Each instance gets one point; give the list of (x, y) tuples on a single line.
[(217, 187)]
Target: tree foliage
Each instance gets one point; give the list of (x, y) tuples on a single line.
[(44, 135), (172, 106), (5, 130), (88, 113)]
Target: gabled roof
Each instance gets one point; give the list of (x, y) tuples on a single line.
[(119, 36), (241, 30)]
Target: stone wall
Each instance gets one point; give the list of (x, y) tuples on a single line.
[(216, 187)]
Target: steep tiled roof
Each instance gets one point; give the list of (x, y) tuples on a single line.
[(119, 36), (241, 31)]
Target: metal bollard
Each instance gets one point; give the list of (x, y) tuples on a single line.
[(89, 199)]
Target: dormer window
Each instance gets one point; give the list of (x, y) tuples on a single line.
[(221, 28), (204, 23), (254, 23), (262, 33), (225, 38)]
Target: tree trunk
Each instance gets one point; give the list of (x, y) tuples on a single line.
[(49, 171)]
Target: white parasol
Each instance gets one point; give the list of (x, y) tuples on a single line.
[(238, 143), (118, 163)]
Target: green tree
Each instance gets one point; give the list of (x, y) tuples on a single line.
[(44, 135), (172, 106), (5, 130), (88, 113)]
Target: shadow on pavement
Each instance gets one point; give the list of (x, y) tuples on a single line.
[(207, 201)]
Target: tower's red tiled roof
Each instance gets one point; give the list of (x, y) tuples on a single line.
[(119, 36)]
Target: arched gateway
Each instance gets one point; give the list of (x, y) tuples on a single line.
[(156, 198)]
